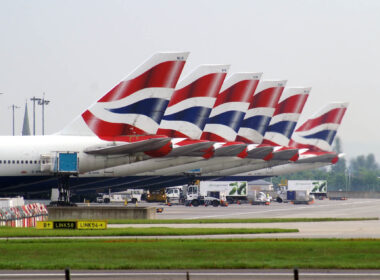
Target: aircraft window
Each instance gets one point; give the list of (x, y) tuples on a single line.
[(18, 162), (43, 162), (22, 162), (35, 162), (0, 161), (26, 162), (9, 162), (13, 161)]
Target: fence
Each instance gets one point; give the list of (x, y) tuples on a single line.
[(23, 216)]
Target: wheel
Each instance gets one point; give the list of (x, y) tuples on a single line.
[(195, 203), (134, 200), (215, 203), (279, 199)]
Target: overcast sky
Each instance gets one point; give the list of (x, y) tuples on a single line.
[(75, 51)]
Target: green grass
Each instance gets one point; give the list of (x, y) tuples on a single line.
[(130, 231), (230, 221), (189, 254)]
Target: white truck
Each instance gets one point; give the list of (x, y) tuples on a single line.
[(318, 188), (294, 196), (195, 195), (130, 195), (215, 192), (174, 194)]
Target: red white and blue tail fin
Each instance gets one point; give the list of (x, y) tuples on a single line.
[(230, 107), (136, 105), (286, 116), (192, 101), (260, 111), (318, 132)]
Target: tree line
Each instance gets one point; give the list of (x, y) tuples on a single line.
[(359, 174)]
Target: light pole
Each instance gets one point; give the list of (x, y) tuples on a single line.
[(43, 102), (13, 107), (34, 99)]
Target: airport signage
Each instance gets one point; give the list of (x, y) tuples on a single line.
[(91, 224), (64, 224), (87, 224)]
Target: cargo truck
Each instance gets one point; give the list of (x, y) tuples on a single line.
[(208, 193), (317, 188), (295, 197)]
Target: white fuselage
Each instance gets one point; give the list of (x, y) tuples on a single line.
[(23, 155)]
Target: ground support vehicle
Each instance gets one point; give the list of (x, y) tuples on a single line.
[(195, 195), (130, 195), (317, 188), (295, 197), (174, 195), (260, 198), (156, 196)]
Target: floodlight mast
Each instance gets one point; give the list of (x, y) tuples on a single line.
[(43, 102)]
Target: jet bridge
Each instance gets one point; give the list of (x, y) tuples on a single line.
[(61, 163)]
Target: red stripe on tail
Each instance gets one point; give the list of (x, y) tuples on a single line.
[(165, 74)]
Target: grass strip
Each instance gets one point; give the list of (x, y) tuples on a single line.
[(231, 221), (130, 231), (189, 254)]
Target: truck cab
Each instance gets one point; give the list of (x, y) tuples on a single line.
[(195, 197)]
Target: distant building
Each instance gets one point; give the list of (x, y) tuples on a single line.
[(25, 125), (260, 185)]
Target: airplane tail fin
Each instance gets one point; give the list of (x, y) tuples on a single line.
[(318, 132), (286, 116), (191, 103), (230, 107), (260, 111), (135, 106)]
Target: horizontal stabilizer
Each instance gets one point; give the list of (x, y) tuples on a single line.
[(285, 154), (317, 157), (191, 149), (259, 152), (114, 148), (230, 149)]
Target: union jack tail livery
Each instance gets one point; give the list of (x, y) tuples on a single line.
[(318, 132), (230, 107), (192, 101), (260, 111), (136, 105), (285, 117)]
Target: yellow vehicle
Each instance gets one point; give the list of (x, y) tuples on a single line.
[(158, 195)]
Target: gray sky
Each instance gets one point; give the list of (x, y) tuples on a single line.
[(75, 51)]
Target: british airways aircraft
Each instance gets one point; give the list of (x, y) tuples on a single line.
[(107, 134), (184, 117), (314, 138), (276, 135), (267, 90)]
